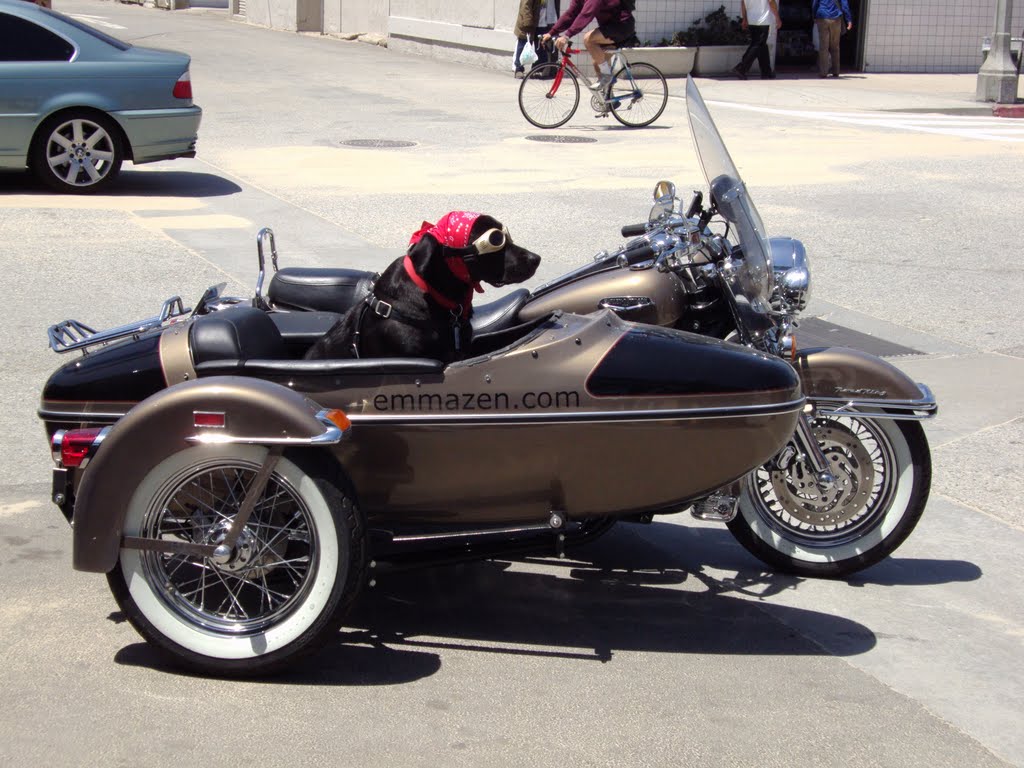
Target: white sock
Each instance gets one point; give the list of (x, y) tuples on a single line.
[(605, 68)]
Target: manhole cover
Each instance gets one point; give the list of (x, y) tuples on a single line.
[(378, 143), (555, 138)]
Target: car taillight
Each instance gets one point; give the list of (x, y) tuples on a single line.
[(73, 447), (183, 88)]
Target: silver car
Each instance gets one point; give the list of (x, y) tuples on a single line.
[(76, 102)]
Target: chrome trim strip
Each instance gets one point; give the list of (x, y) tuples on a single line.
[(78, 416), (910, 410), (585, 416), (331, 435)]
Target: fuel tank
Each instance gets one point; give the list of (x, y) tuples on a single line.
[(641, 295)]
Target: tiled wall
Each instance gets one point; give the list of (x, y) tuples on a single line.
[(930, 35)]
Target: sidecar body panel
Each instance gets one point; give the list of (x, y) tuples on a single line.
[(592, 416)]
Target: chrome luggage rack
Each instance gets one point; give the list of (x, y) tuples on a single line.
[(71, 334)]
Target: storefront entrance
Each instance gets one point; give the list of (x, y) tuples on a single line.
[(795, 51)]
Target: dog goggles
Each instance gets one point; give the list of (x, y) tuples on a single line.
[(491, 241)]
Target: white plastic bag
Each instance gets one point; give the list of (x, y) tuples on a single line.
[(529, 56)]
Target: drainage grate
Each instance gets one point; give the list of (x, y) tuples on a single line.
[(815, 332), (378, 143), (555, 138)]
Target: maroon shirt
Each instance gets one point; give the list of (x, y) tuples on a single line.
[(582, 12)]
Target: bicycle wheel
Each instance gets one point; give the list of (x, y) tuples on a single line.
[(549, 95), (638, 95)]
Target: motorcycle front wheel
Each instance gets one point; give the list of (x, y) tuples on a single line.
[(284, 589), (882, 472)]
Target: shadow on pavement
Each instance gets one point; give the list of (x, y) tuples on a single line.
[(131, 184), (639, 589)]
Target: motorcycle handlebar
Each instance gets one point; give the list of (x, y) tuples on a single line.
[(638, 254), (632, 230)]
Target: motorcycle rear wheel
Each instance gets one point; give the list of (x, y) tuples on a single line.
[(287, 585), (883, 475)]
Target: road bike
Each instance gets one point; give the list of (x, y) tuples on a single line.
[(550, 94)]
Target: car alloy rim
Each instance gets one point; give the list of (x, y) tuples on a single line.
[(269, 571), (80, 153), (863, 462)]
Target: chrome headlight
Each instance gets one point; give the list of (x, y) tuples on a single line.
[(792, 274)]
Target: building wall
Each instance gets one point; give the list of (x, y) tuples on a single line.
[(898, 35), (480, 31), (932, 35)]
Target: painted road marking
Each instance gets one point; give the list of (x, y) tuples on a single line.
[(96, 21), (965, 126)]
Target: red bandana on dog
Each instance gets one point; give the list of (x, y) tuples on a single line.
[(452, 231)]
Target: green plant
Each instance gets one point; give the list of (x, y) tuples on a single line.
[(714, 29)]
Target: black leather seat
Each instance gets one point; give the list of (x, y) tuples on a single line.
[(237, 334), (500, 314), (314, 289)]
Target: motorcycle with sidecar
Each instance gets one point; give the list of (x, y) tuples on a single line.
[(237, 495)]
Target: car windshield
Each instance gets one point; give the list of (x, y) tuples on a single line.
[(755, 281), (102, 36)]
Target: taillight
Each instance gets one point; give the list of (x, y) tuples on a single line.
[(183, 88), (73, 447)]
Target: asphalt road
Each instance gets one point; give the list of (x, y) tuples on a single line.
[(660, 645)]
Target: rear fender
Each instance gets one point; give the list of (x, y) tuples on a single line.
[(837, 380), (254, 412)]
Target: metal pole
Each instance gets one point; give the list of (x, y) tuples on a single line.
[(997, 78)]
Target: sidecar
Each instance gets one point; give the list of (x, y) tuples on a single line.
[(236, 495)]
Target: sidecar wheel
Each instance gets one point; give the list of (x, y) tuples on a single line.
[(883, 475), (284, 590)]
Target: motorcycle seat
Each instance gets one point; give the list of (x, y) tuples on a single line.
[(500, 314), (315, 289)]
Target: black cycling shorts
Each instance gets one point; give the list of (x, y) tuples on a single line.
[(619, 31)]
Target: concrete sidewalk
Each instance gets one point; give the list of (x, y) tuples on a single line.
[(951, 94)]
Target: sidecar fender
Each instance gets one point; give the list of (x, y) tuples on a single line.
[(220, 409), (838, 379)]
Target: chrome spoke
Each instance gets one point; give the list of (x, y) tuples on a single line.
[(77, 132), (266, 573), (57, 160)]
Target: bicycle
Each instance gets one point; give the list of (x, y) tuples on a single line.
[(550, 94)]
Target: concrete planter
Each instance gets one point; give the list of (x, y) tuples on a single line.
[(673, 62)]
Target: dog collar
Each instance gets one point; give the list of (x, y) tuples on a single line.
[(436, 295)]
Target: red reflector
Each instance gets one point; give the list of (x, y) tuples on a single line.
[(76, 444), (209, 419), (183, 88)]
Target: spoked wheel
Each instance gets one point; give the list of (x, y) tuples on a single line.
[(78, 153), (882, 472), (638, 101), (286, 585), (548, 96)]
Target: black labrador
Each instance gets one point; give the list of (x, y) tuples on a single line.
[(422, 303)]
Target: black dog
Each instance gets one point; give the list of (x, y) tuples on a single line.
[(421, 305)]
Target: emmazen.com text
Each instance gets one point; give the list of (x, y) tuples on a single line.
[(476, 401)]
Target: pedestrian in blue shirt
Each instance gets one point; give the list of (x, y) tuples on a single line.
[(829, 16)]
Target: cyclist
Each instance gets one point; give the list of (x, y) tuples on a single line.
[(615, 26)]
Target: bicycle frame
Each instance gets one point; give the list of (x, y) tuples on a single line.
[(568, 63)]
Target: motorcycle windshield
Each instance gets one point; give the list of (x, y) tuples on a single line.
[(753, 281)]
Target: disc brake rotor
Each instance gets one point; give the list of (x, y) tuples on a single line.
[(797, 490)]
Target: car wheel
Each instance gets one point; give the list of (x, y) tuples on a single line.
[(286, 586), (77, 152)]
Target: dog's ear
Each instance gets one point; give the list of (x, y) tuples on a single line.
[(425, 253)]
